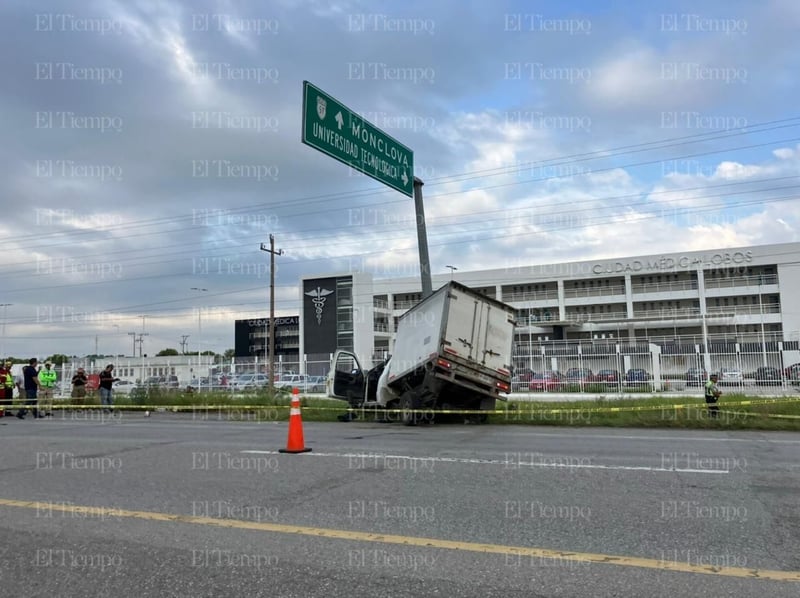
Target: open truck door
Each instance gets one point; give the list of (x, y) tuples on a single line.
[(346, 380)]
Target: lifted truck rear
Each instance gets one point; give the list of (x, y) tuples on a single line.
[(452, 351)]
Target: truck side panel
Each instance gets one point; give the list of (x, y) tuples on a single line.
[(419, 331)]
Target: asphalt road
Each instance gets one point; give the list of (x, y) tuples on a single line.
[(183, 506)]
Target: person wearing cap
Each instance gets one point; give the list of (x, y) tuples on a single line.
[(47, 383), (31, 376), (712, 395), (79, 385)]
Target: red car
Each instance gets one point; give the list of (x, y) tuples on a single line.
[(547, 381), (580, 376), (609, 376), (792, 371)]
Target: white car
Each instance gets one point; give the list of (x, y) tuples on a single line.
[(250, 382), (123, 387), (730, 376), (292, 381)]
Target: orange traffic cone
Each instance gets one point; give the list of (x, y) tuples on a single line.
[(295, 443)]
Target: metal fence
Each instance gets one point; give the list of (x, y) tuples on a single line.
[(591, 366)]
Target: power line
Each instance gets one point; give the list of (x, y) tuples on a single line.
[(607, 153), (483, 223)]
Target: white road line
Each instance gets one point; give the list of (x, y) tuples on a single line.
[(554, 463), (573, 436)]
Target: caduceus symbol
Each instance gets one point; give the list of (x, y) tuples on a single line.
[(318, 297)]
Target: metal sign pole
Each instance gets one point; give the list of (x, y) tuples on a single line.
[(422, 240)]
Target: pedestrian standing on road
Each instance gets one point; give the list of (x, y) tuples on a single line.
[(47, 383), (107, 380), (7, 390), (31, 376), (712, 395), (79, 381)]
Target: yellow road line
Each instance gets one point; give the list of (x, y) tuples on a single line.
[(356, 536)]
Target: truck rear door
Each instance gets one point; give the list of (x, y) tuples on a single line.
[(479, 330)]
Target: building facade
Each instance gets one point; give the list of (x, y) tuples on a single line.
[(251, 338), (739, 295)]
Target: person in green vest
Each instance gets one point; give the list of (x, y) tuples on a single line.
[(7, 390), (712, 395), (47, 383)]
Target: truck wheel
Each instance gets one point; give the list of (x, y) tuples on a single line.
[(408, 418)]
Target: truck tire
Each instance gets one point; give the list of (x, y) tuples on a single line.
[(407, 404)]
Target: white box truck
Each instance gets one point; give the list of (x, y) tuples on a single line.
[(452, 351)]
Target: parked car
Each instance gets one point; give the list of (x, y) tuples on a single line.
[(317, 384), (288, 382), (524, 374), (546, 381), (123, 387), (696, 377), (161, 382), (730, 377), (250, 382), (768, 376), (793, 371), (636, 376), (579, 376), (607, 377), (519, 384)]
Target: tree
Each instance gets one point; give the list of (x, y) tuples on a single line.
[(229, 354), (58, 359), (167, 353)]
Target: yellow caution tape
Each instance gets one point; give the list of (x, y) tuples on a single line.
[(511, 410)]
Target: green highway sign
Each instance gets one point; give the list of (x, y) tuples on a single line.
[(334, 129)]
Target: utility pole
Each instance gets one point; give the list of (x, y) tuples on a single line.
[(133, 334), (199, 332), (183, 342), (272, 254), (141, 336)]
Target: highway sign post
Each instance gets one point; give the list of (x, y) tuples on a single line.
[(334, 129)]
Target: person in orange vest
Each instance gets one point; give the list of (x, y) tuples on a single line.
[(7, 389)]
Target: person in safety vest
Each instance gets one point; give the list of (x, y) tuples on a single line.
[(47, 383), (6, 388), (712, 395)]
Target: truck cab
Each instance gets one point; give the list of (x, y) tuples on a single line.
[(349, 382)]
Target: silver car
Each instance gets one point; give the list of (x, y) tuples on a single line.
[(731, 377)]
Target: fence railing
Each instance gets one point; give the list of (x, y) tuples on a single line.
[(741, 281), (530, 295)]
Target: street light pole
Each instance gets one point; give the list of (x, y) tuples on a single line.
[(452, 269)]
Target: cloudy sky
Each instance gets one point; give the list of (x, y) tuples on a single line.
[(151, 146)]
